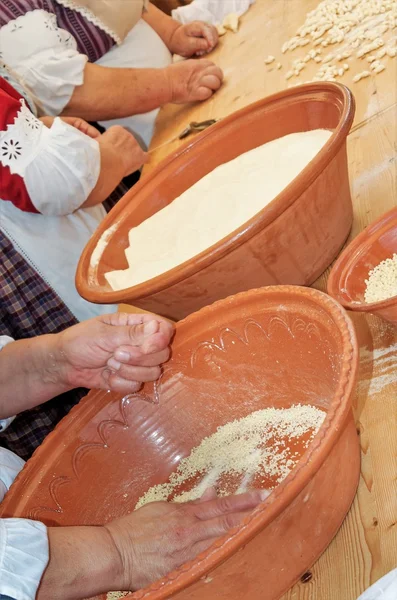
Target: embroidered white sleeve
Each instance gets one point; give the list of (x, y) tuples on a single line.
[(60, 166), (4, 423), (64, 171), (24, 556), (45, 57)]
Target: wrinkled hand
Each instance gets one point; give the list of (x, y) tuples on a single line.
[(193, 80), (117, 352), (124, 147), (160, 537), (194, 39), (75, 122)]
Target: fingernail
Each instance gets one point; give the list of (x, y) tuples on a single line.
[(264, 494), (114, 364), (150, 327), (122, 356)]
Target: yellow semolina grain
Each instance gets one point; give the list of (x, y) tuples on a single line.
[(382, 281), (257, 445)]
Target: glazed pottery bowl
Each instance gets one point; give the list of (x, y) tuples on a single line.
[(291, 241), (272, 347), (346, 281)]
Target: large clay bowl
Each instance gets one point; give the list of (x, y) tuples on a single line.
[(291, 241), (346, 281), (272, 347)]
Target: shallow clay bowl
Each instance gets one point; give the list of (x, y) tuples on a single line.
[(346, 281), (291, 241), (272, 347)]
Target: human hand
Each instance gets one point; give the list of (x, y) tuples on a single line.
[(194, 39), (75, 122), (117, 352), (193, 80), (160, 537), (125, 149)]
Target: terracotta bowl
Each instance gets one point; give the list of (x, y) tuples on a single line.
[(291, 241), (272, 347), (346, 281)]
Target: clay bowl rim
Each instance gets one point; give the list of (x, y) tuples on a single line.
[(349, 257), (249, 229), (299, 477)]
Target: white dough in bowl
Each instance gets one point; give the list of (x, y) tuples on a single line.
[(215, 206)]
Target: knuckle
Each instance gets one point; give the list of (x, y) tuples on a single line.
[(228, 522), (166, 354), (153, 373), (224, 504)]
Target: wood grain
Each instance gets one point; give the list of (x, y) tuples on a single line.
[(366, 546)]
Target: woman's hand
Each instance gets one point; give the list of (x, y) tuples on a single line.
[(117, 352), (160, 537), (120, 155), (193, 80), (134, 551), (194, 39), (75, 122), (125, 149)]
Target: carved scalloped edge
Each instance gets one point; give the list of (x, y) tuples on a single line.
[(349, 342), (296, 325), (81, 450), (87, 14)]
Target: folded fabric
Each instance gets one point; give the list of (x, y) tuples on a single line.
[(384, 589), (210, 11)]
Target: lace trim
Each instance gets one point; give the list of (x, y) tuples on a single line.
[(87, 14), (14, 80), (20, 142)]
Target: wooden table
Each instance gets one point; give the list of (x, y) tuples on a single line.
[(366, 546)]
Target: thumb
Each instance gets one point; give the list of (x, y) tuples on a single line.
[(197, 44), (149, 337), (134, 335), (142, 331)]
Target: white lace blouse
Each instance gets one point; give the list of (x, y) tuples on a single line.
[(59, 167)]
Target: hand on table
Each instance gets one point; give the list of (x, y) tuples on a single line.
[(194, 39), (117, 352), (193, 80), (160, 536)]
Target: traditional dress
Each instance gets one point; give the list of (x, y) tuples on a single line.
[(45, 175), (48, 43)]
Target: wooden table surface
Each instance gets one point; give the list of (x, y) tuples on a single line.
[(366, 546)]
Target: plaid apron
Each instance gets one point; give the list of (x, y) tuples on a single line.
[(29, 307)]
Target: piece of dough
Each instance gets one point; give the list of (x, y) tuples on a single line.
[(231, 22), (221, 30), (215, 206)]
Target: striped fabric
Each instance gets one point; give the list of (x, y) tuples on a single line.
[(91, 40)]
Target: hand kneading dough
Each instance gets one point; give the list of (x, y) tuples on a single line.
[(215, 206)]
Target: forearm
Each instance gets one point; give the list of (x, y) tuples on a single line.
[(29, 374), (162, 24), (83, 563), (110, 175), (111, 93)]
